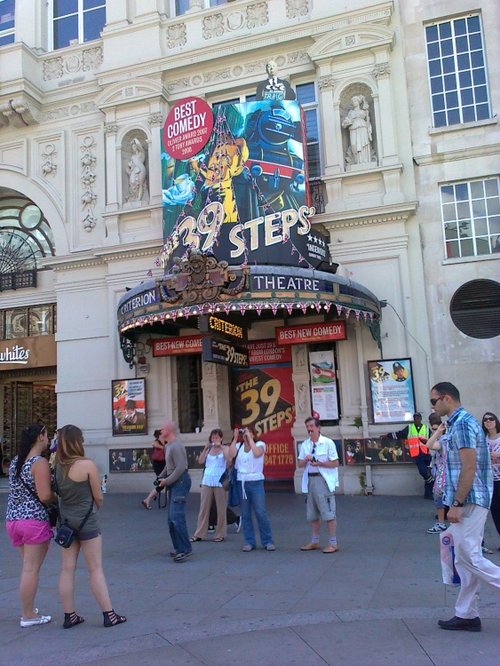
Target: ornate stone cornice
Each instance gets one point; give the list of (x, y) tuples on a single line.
[(19, 111), (69, 64), (326, 82), (297, 8), (458, 155), (369, 217), (240, 71), (155, 119), (110, 128), (101, 257), (70, 111), (382, 70)]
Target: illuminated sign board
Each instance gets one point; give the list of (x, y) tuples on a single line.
[(142, 300), (222, 328), (295, 335), (216, 351), (188, 344), (243, 197)]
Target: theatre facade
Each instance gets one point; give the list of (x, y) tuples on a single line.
[(245, 214)]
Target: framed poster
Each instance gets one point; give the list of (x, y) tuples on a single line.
[(375, 451), (324, 384), (129, 406), (391, 390)]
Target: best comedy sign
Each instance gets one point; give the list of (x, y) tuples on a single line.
[(187, 128)]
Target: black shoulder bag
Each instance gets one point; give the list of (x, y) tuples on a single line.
[(228, 480)]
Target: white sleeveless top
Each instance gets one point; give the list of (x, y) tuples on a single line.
[(214, 467)]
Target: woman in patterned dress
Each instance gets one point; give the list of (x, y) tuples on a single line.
[(27, 520)]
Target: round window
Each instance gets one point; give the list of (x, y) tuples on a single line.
[(475, 309)]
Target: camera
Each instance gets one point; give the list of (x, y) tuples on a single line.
[(156, 484), (241, 431)]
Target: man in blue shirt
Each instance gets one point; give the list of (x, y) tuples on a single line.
[(468, 492)]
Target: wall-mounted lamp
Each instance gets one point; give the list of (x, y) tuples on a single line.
[(128, 350)]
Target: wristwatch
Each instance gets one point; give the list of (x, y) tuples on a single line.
[(457, 503)]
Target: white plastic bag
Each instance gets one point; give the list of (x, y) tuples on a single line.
[(447, 550)]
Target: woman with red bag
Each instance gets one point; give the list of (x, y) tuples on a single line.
[(158, 461)]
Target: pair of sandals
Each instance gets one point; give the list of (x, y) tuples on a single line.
[(194, 539)]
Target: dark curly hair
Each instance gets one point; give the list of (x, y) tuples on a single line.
[(28, 438)]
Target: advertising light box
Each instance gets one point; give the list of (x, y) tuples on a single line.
[(242, 195)]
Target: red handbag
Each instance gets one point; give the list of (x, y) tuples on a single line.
[(158, 455)]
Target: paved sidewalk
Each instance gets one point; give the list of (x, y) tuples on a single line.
[(375, 602)]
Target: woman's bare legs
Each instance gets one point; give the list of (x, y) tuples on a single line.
[(92, 551), (69, 557), (32, 557)]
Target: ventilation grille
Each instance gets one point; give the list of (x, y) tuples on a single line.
[(475, 309)]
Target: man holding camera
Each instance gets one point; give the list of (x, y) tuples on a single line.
[(175, 478), (319, 459)]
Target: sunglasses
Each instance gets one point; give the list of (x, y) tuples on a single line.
[(488, 418), (434, 401)]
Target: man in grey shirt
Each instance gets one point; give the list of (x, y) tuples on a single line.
[(175, 478)]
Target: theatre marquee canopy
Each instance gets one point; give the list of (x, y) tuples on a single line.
[(204, 286)]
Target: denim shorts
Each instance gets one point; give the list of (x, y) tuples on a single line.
[(28, 532), (438, 501)]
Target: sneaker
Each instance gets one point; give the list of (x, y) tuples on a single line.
[(486, 550), (310, 546), (247, 548), (331, 548), (270, 546), (33, 621), (437, 528), (211, 528), (238, 525), (181, 557)]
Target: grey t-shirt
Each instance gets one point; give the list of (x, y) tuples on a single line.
[(175, 461)]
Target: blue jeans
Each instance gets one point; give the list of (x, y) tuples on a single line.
[(256, 500), (177, 496)]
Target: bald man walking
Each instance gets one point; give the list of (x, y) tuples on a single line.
[(175, 478)]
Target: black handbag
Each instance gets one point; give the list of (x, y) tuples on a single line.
[(228, 479), (64, 535), (225, 479)]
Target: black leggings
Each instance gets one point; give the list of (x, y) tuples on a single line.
[(495, 505), (230, 515)]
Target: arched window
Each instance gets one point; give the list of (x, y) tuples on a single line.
[(25, 237)]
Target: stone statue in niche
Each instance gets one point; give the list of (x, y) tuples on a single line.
[(359, 125), (136, 170)]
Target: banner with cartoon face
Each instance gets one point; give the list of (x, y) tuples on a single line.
[(242, 195)]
